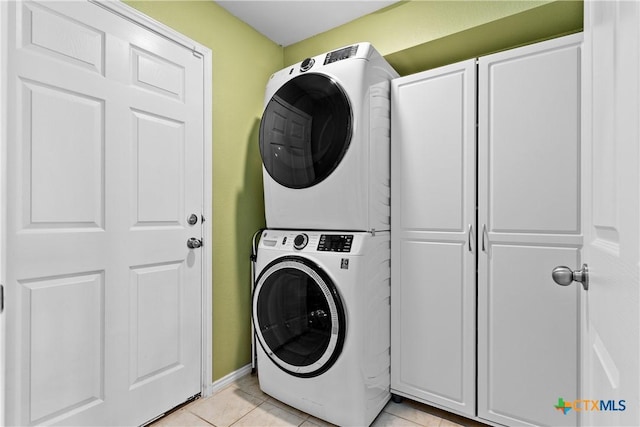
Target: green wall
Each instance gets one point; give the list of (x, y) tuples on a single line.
[(243, 60), (412, 35)]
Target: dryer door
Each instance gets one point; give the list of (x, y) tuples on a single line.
[(305, 130), (298, 316)]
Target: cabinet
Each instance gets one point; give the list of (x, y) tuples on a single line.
[(485, 202), (433, 220)]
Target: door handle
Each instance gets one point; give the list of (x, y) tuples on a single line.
[(484, 234), (194, 243), (469, 236), (564, 276)]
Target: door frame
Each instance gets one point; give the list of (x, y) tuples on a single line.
[(132, 15), (4, 21)]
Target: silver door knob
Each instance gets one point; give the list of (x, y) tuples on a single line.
[(194, 243), (564, 276)]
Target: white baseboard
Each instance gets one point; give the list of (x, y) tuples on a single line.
[(227, 379)]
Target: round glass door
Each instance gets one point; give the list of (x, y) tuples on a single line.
[(305, 131), (298, 317)]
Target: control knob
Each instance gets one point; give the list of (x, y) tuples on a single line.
[(307, 64), (300, 241)]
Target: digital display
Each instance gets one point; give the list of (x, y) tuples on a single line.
[(338, 55), (335, 242)]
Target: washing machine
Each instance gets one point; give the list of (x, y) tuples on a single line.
[(325, 142), (322, 320)]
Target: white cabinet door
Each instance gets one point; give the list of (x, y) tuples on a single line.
[(529, 218), (433, 245), (611, 211), (104, 165)]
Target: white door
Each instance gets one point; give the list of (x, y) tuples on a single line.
[(104, 165), (611, 211), (433, 245), (529, 222)]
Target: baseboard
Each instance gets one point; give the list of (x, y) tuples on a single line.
[(227, 379)]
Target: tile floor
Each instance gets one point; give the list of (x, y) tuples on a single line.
[(243, 404)]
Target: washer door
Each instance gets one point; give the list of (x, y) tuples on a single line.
[(305, 130), (298, 316)]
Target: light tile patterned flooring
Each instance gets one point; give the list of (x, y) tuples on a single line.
[(243, 404)]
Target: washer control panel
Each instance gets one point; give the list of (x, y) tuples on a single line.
[(335, 242), (308, 242)]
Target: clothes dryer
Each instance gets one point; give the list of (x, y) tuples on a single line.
[(324, 141), (322, 320)]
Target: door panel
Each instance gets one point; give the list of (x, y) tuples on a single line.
[(158, 74), (62, 37), (427, 160), (104, 163), (155, 317), (533, 111), (528, 350), (64, 313), (159, 162), (529, 214), (433, 243), (58, 190), (430, 359)]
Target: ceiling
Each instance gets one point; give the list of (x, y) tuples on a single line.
[(289, 21)]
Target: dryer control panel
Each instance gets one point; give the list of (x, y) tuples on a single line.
[(340, 54), (335, 242)]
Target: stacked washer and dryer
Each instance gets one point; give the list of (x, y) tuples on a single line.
[(321, 310)]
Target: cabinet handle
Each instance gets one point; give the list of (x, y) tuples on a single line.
[(484, 233), (469, 234)]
